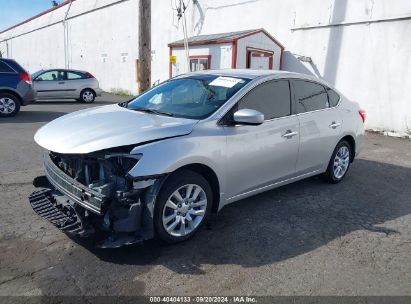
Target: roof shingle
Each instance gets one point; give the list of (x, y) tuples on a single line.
[(214, 37)]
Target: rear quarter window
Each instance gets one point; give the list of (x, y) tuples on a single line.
[(5, 68), (333, 97), (72, 75)]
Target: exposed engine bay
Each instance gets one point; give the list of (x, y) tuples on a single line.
[(105, 174), (89, 193)]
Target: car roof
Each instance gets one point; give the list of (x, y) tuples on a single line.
[(13, 64), (58, 69), (253, 74)]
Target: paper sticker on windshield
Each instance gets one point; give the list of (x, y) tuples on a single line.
[(227, 82)]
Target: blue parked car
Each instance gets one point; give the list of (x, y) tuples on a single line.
[(16, 87)]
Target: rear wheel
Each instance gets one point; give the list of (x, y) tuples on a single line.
[(9, 105), (339, 163), (182, 207), (87, 96)]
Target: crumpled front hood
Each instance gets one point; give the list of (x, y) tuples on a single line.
[(106, 127)]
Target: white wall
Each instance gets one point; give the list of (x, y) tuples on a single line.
[(105, 42), (102, 39), (368, 62)]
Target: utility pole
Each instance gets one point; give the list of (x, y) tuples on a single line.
[(144, 46)]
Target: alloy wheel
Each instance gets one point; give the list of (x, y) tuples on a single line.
[(7, 105), (184, 210), (341, 162)]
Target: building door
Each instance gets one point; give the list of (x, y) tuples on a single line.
[(259, 59)]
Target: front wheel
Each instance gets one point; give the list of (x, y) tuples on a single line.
[(339, 163), (9, 105), (182, 207), (87, 96)]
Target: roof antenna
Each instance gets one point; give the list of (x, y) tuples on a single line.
[(54, 3)]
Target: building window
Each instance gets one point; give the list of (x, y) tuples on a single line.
[(198, 63)]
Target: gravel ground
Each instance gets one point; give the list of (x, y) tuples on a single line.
[(308, 238)]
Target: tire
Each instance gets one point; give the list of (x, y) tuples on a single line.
[(9, 105), (341, 158), (177, 213), (87, 96)]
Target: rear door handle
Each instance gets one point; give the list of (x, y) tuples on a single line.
[(61, 82), (334, 125), (289, 134)]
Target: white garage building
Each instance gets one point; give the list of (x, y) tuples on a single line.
[(360, 46), (252, 49)]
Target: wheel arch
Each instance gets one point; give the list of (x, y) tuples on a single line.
[(209, 174), (88, 88), (14, 93), (350, 139)]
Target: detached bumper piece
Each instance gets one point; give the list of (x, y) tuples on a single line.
[(64, 217)]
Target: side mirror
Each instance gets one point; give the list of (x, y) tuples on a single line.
[(248, 117)]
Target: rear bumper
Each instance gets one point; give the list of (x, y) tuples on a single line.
[(30, 97), (98, 91)]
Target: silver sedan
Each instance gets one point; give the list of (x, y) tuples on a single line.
[(158, 165), (66, 84)]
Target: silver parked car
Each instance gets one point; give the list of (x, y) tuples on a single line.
[(66, 84), (158, 165)]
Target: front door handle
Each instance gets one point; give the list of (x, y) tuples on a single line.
[(289, 134), (61, 82), (334, 125)]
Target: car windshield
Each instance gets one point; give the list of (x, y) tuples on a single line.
[(195, 97)]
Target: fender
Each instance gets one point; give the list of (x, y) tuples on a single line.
[(168, 155)]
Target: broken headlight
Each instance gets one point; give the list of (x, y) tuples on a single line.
[(122, 163)]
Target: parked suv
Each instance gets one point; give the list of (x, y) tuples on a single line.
[(16, 87), (158, 165)]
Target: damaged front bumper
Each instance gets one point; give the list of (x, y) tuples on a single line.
[(80, 211)]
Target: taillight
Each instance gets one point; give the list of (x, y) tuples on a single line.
[(363, 114), (25, 77), (89, 75)]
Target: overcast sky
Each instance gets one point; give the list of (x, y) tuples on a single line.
[(15, 11)]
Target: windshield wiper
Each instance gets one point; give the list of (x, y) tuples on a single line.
[(124, 104), (152, 111)]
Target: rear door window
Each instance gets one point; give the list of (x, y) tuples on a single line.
[(271, 98), (310, 96), (4, 68)]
